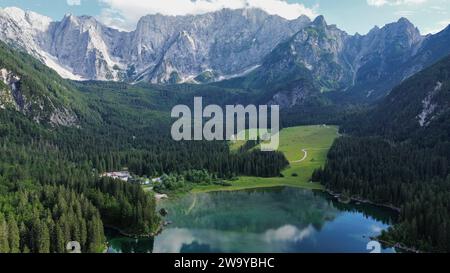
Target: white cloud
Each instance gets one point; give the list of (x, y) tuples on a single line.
[(404, 13), (380, 3), (439, 27), (125, 13), (288, 233), (73, 2), (438, 10)]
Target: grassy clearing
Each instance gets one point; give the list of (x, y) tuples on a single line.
[(316, 140)]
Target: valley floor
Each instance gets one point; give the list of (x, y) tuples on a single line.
[(305, 147)]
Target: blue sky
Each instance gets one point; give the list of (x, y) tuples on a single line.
[(350, 15)]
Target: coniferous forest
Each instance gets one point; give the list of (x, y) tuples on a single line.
[(51, 189)]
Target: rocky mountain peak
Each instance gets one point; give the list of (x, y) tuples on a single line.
[(250, 13), (375, 29), (405, 27), (320, 21), (405, 21), (303, 18), (83, 23), (28, 19)]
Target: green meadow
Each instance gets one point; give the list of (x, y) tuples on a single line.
[(294, 141)]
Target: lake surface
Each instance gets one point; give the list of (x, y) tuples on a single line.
[(278, 220)]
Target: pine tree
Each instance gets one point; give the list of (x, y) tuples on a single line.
[(4, 242), (43, 239), (59, 240), (24, 237), (13, 235), (96, 235)]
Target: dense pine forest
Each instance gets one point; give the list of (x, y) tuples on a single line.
[(53, 199), (36, 162), (51, 189)]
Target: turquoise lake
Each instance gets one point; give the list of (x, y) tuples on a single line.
[(276, 220)]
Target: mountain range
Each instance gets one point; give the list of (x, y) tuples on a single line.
[(162, 49), (324, 58), (261, 50)]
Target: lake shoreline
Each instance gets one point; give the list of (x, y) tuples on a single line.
[(203, 189), (136, 236), (364, 201), (397, 245), (215, 222)]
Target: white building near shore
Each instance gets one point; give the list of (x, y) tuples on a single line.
[(124, 176)]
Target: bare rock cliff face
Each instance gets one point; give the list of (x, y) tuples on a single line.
[(40, 109)]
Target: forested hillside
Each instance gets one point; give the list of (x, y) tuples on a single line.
[(28, 86), (399, 154)]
